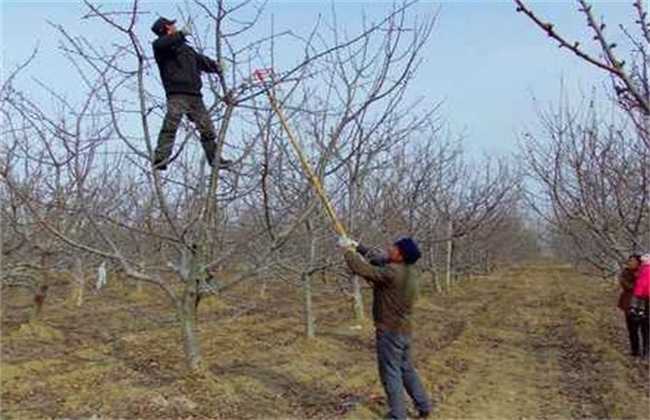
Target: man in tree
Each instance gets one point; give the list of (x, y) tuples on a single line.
[(180, 69), (394, 278)]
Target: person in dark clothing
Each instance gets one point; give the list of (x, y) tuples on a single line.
[(180, 69), (394, 278), (636, 327)]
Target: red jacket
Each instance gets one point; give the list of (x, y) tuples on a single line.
[(642, 285)]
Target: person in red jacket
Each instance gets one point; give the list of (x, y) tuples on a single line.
[(640, 302), (642, 284), (627, 280)]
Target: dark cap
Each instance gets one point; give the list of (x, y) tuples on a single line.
[(409, 249), (636, 255), (159, 26)]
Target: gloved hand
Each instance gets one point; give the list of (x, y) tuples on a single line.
[(186, 30), (221, 66), (347, 243)]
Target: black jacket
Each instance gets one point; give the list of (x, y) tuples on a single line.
[(180, 65)]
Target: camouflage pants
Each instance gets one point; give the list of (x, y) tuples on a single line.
[(177, 107)]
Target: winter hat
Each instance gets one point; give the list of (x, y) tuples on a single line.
[(409, 249), (636, 255), (160, 24)]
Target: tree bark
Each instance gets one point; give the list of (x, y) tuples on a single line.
[(79, 277), (359, 315), (306, 283), (450, 249), (188, 318), (309, 309)]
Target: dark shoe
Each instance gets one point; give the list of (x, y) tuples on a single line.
[(160, 165), (223, 163), (423, 414)]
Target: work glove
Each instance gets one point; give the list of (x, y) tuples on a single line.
[(221, 66), (186, 30), (347, 243)]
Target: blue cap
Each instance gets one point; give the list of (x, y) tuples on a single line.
[(409, 249)]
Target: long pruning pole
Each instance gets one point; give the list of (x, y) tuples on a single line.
[(313, 178)]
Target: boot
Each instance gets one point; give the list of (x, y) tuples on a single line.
[(159, 164), (223, 163)]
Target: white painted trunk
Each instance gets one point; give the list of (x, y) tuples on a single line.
[(188, 319), (450, 249), (309, 309)]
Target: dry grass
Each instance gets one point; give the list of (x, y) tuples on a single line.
[(536, 343)]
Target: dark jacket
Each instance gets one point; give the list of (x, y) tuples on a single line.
[(626, 279), (180, 65), (394, 288)]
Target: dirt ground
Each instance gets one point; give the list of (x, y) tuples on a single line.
[(542, 342)]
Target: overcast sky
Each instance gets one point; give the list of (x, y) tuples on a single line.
[(485, 62)]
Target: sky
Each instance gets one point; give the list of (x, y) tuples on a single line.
[(484, 62)]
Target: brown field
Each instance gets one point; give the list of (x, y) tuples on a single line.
[(541, 342)]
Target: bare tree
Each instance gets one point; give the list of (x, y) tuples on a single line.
[(430, 191), (592, 170), (86, 183), (630, 72), (595, 185), (368, 115), (348, 118)]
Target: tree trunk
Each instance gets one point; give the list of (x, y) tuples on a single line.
[(188, 318), (263, 289), (359, 315), (357, 306), (79, 277), (39, 300), (309, 309), (450, 248), (306, 283), (435, 279), (437, 287)]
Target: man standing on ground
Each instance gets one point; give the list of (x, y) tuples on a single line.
[(394, 282), (180, 69)]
